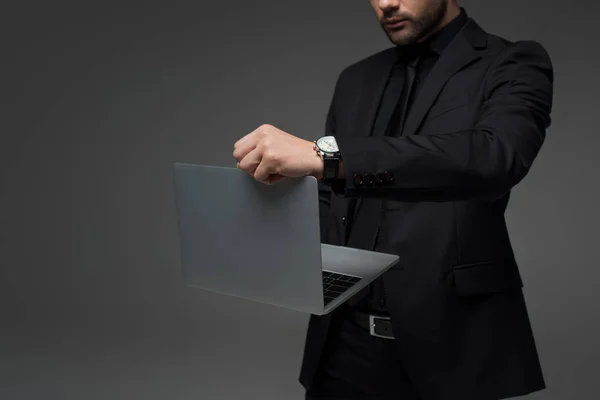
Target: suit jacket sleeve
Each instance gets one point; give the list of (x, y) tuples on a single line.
[(486, 160)]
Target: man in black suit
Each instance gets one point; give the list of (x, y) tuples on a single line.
[(424, 142)]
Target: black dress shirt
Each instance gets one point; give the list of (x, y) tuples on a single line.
[(426, 54)]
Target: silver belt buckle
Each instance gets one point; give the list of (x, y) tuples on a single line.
[(372, 319)]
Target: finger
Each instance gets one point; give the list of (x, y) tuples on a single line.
[(246, 144), (263, 171), (251, 161), (241, 151)]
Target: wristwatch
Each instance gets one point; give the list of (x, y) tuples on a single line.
[(327, 148)]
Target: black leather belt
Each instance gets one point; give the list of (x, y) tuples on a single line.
[(378, 326)]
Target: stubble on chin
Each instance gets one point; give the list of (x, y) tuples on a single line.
[(404, 37)]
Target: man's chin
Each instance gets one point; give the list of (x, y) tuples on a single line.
[(401, 37)]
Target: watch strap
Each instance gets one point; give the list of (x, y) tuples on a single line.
[(331, 164), (331, 168)]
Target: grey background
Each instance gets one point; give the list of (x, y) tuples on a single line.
[(98, 101)]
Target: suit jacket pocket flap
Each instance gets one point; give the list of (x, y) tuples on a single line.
[(486, 277)]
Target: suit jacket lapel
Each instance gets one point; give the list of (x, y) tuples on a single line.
[(459, 54), (371, 93)]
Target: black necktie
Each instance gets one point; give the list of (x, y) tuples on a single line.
[(396, 123)]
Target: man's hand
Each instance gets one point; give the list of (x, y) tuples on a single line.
[(269, 154)]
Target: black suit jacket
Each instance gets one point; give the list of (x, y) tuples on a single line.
[(455, 298)]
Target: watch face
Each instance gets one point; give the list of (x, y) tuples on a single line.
[(327, 144)]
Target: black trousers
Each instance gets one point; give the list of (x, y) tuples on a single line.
[(356, 365)]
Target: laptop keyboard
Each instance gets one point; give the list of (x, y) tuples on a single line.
[(335, 284)]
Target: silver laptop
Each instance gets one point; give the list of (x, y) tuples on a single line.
[(260, 242)]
